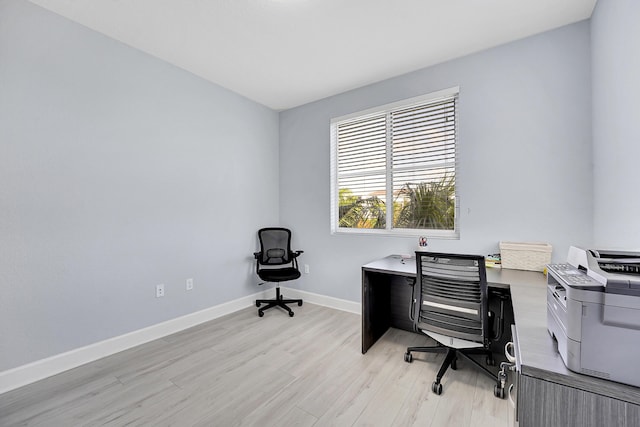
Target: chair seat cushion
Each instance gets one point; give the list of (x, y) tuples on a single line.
[(279, 274), (452, 341)]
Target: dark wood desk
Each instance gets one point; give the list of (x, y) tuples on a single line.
[(387, 286), (549, 394)]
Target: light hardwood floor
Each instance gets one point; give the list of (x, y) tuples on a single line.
[(242, 370)]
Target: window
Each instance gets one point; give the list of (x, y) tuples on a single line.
[(393, 169)]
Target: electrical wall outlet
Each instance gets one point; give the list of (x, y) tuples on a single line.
[(306, 269), (189, 285), (159, 291)]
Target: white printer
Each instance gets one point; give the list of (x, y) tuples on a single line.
[(593, 311)]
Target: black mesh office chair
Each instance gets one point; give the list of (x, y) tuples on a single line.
[(452, 309), (276, 262)]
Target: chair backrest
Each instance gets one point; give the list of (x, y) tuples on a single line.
[(452, 295), (275, 246)]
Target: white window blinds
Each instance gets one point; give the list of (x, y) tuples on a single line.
[(394, 169)]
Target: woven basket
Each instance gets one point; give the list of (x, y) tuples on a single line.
[(525, 256)]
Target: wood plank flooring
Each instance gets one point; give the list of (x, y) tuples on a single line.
[(242, 370)]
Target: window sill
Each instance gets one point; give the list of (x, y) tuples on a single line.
[(413, 233)]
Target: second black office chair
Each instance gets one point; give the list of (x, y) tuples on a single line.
[(276, 262), (451, 306)]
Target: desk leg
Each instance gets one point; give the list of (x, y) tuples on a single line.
[(375, 307), (367, 336)]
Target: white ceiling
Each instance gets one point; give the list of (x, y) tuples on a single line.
[(285, 53)]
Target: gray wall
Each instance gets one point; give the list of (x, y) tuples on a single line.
[(524, 145), (615, 36), (118, 172)]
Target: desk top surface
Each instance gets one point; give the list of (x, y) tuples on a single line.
[(538, 351)]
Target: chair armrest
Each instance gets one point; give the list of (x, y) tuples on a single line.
[(296, 254), (256, 255)]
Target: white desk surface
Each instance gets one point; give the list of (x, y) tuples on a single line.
[(538, 351), (393, 264)]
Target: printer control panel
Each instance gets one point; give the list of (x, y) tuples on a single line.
[(571, 275)]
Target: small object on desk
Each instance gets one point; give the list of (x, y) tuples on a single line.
[(493, 261), (525, 256), (404, 257), (422, 243)]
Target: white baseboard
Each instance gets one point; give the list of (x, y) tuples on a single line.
[(331, 302), (40, 369)]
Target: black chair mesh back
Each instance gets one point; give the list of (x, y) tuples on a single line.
[(275, 245), (453, 295)]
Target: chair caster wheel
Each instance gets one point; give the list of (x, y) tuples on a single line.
[(454, 364), (257, 304), (498, 392), (436, 387), (291, 314), (299, 303), (408, 357), (260, 313)]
